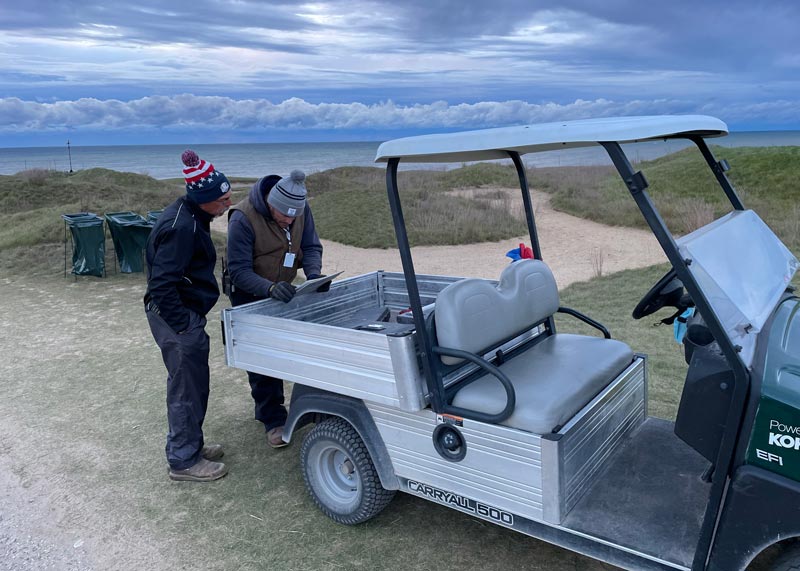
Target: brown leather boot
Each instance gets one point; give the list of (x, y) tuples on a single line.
[(275, 437), (213, 452), (203, 471)]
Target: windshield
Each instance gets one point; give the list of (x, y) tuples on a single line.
[(743, 268)]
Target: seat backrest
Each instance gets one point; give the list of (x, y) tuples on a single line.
[(474, 314)]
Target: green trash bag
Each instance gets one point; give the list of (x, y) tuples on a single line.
[(88, 243), (129, 232)]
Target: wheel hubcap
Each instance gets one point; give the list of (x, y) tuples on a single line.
[(338, 475), (347, 467)]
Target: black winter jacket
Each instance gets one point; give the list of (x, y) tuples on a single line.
[(180, 264)]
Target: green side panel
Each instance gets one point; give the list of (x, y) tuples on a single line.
[(775, 440)]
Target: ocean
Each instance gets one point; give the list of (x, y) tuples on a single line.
[(259, 159)]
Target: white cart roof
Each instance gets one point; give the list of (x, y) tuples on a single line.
[(487, 144)]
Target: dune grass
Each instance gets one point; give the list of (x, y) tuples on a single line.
[(350, 203), (351, 206), (362, 218), (681, 184), (685, 191), (32, 202)]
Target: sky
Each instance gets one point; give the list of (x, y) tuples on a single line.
[(224, 71)]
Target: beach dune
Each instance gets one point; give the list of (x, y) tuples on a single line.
[(574, 248)]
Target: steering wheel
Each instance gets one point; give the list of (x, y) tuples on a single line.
[(667, 291)]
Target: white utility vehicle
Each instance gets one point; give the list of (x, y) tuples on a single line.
[(460, 391)]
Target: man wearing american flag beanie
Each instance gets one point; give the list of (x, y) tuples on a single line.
[(181, 290)]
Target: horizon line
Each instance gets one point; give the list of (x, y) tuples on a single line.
[(374, 141)]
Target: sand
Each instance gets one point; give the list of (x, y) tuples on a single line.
[(574, 248)]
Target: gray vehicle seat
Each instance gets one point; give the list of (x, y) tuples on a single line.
[(553, 379)]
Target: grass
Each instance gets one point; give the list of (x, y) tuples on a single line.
[(682, 186), (32, 202), (93, 189), (685, 191), (431, 219), (351, 206), (361, 178)]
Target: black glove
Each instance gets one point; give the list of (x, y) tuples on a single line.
[(323, 288), (282, 291)]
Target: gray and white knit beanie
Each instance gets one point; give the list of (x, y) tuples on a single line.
[(288, 196)]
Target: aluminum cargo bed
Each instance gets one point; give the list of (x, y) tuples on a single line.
[(333, 342)]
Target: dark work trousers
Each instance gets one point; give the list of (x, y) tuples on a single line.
[(267, 392), (186, 358)]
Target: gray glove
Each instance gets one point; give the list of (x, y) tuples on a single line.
[(282, 291), (324, 287)]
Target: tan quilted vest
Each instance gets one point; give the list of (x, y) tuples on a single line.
[(271, 244)]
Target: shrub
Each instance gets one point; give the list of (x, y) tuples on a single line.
[(35, 176)]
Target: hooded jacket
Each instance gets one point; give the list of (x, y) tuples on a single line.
[(242, 244)]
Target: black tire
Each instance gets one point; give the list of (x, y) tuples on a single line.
[(339, 473), (789, 559)]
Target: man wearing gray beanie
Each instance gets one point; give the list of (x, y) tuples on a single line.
[(271, 235), (288, 196)]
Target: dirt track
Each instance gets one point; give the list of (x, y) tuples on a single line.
[(575, 249)]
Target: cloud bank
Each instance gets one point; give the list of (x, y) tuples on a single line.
[(208, 114), (370, 66)]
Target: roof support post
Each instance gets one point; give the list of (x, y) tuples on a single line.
[(429, 367), (637, 185), (526, 200), (529, 218), (718, 168)]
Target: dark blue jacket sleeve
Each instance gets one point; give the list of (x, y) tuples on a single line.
[(311, 246), (173, 255), (241, 241)]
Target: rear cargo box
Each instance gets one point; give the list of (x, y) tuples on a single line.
[(338, 341)]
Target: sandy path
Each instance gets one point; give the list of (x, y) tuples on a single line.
[(574, 248), (46, 522)]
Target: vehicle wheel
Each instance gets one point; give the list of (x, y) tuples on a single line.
[(789, 560), (340, 475)]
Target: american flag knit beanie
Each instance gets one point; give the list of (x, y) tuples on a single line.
[(203, 182)]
